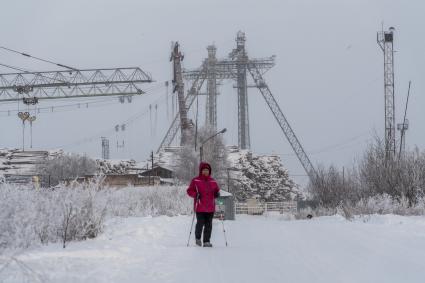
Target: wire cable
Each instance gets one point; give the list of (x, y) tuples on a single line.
[(30, 72), (38, 58)]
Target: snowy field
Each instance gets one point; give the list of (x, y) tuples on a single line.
[(385, 248)]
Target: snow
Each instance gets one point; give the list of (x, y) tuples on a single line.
[(376, 248)]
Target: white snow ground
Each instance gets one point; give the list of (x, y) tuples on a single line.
[(261, 249)]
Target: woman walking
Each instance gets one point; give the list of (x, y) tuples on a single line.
[(204, 189)]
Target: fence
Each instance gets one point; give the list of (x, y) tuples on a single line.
[(260, 208)]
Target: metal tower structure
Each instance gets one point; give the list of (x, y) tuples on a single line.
[(211, 106), (105, 148), (240, 57), (234, 68), (385, 40)]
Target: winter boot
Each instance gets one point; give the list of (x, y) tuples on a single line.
[(207, 245), (198, 242)]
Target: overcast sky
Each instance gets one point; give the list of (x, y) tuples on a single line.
[(328, 78)]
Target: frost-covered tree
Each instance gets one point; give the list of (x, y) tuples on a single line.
[(214, 152), (65, 167), (259, 176)]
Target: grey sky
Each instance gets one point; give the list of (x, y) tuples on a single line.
[(328, 79)]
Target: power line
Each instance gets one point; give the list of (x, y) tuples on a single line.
[(127, 122), (38, 58), (14, 68), (326, 148)]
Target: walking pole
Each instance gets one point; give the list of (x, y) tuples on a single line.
[(224, 230), (193, 218), (191, 227)]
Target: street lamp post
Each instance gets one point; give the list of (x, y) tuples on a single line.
[(201, 148)]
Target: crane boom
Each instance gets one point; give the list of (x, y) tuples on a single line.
[(70, 84), (189, 99)]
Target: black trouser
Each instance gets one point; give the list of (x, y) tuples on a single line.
[(204, 219)]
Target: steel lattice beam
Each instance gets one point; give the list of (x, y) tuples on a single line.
[(69, 84), (283, 122), (227, 69)]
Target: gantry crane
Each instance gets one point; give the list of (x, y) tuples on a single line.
[(235, 68)]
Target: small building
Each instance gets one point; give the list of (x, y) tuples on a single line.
[(124, 180), (159, 171), (225, 205)]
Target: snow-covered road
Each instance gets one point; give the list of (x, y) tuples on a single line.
[(261, 249)]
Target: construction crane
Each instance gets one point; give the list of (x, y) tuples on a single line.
[(30, 87), (188, 101), (178, 86)]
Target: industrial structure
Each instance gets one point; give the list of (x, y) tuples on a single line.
[(105, 148), (385, 40), (31, 87), (236, 67)]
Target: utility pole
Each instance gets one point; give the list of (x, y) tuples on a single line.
[(153, 180), (228, 180), (404, 127)]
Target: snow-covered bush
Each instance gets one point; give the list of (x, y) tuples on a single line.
[(77, 212), (375, 176), (379, 204)]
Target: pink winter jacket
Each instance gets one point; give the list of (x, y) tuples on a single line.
[(207, 188)]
